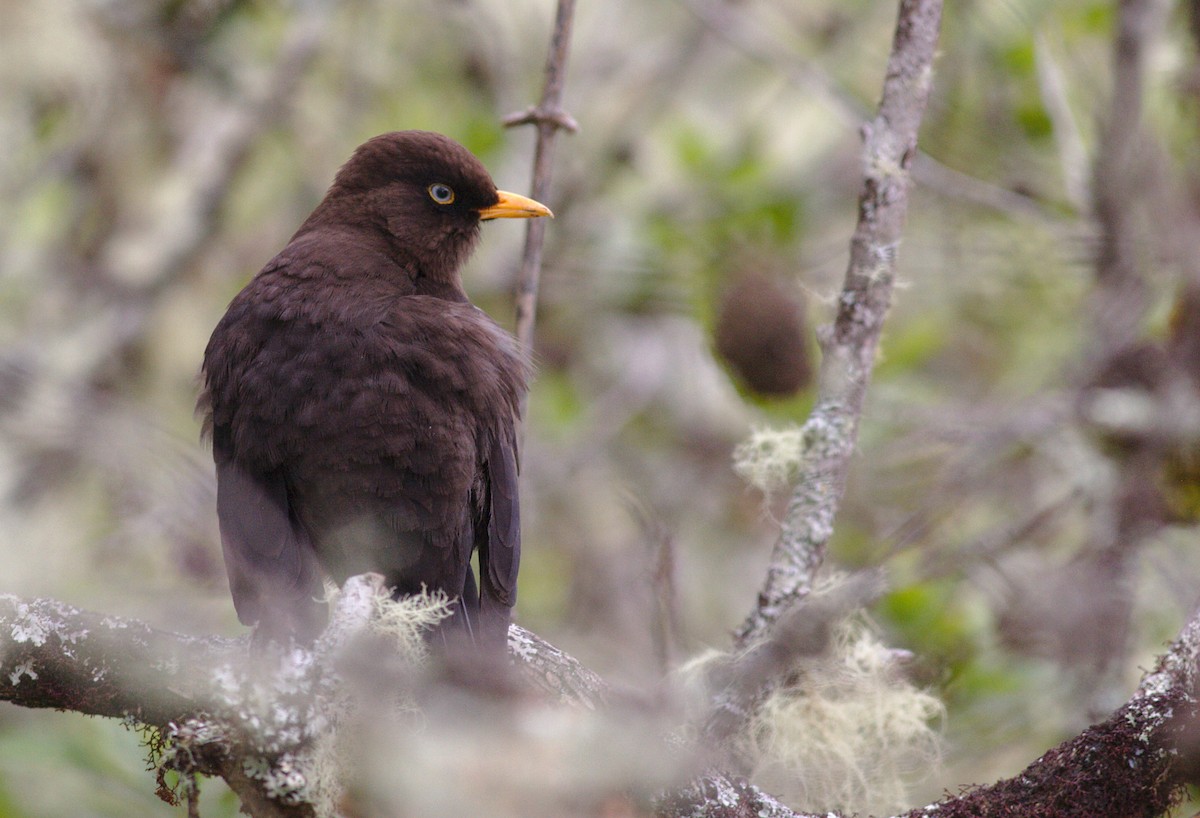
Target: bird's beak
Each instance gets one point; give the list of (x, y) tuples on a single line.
[(514, 206)]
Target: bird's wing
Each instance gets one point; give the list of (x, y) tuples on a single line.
[(273, 573), (498, 538)]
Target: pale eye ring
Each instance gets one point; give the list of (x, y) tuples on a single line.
[(442, 194)]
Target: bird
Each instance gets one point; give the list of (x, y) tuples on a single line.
[(363, 414)]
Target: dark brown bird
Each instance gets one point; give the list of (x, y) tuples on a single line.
[(363, 413)]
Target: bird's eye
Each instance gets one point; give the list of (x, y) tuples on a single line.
[(442, 194)]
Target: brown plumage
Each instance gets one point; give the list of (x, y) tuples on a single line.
[(363, 413)]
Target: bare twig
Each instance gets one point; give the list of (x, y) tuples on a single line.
[(665, 618), (849, 346), (549, 117)]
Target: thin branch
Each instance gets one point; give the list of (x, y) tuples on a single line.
[(549, 117), (849, 346)]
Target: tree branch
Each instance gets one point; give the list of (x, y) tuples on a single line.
[(803, 632), (55, 655), (1134, 763), (1124, 515), (549, 117), (205, 697), (145, 259), (1119, 184), (849, 346), (214, 702)]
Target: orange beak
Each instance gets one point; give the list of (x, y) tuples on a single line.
[(514, 206)]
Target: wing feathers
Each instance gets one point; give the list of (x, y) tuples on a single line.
[(500, 547), (272, 569)]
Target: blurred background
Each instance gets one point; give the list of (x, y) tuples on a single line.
[(1027, 470)]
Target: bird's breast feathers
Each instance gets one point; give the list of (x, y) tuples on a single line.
[(393, 375)]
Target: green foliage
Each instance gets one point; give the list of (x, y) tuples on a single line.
[(912, 345), (557, 405), (731, 210), (931, 618)]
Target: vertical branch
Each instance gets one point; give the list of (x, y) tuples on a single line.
[(1120, 298), (849, 345), (549, 116), (1125, 513)]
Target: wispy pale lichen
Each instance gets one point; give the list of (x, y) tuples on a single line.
[(23, 669)]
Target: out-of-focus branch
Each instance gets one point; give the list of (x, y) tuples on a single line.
[(155, 243), (1134, 763), (55, 655), (148, 258), (804, 632), (220, 706), (196, 691), (849, 345), (1071, 149), (1124, 515), (549, 116), (1119, 185)]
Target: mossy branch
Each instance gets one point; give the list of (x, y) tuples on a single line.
[(204, 695), (849, 345)]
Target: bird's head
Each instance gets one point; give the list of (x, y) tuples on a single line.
[(426, 193)]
